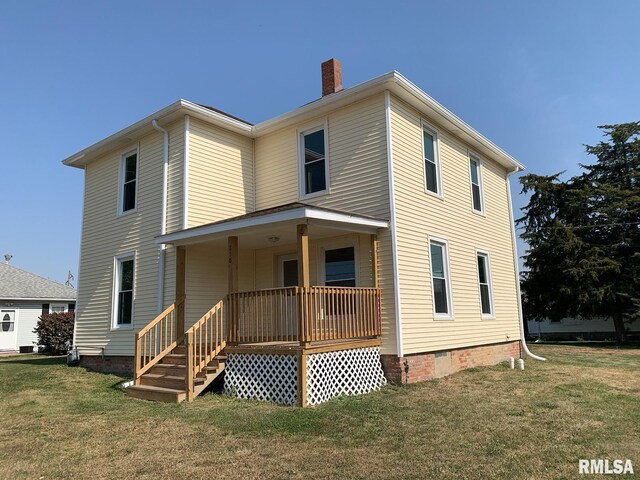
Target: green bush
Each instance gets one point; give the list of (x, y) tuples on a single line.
[(55, 331)]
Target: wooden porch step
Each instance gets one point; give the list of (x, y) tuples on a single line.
[(175, 358), (180, 350), (169, 369), (158, 394), (167, 381)]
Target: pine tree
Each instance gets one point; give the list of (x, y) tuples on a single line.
[(584, 236)]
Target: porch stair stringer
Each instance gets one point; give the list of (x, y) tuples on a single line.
[(186, 370)]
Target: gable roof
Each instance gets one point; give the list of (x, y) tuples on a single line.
[(393, 81), (18, 284)]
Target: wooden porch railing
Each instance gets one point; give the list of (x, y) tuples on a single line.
[(204, 340), (158, 338), (304, 314)]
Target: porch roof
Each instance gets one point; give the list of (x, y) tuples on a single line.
[(273, 220)]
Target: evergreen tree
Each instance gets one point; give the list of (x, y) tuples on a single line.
[(584, 236)]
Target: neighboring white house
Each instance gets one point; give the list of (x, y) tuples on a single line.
[(25, 296), (577, 328)]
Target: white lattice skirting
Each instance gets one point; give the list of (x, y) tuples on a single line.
[(345, 372), (272, 378)]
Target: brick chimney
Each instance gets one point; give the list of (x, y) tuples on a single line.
[(331, 77)]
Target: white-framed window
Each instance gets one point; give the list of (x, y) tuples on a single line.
[(123, 287), (475, 174), (128, 183), (440, 278), (484, 282), (338, 263), (58, 307), (431, 155), (314, 161)]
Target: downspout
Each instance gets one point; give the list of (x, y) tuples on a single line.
[(163, 220), (516, 268)]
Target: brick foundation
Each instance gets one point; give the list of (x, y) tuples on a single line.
[(108, 364), (427, 366)]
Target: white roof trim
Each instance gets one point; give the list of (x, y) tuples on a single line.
[(37, 299), (301, 213), (393, 81)]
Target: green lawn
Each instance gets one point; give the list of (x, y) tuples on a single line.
[(62, 422)]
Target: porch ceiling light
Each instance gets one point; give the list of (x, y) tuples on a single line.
[(273, 238)]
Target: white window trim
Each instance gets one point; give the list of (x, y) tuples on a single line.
[(64, 305), (335, 244), (445, 244), (436, 153), (475, 157), (117, 260), (301, 183), (487, 255), (123, 158)]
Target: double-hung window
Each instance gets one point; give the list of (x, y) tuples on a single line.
[(431, 161), (484, 280), (476, 184), (440, 279), (123, 291), (128, 181), (340, 267), (313, 161)]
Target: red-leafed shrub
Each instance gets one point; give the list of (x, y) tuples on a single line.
[(55, 331)]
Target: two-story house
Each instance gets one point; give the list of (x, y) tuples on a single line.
[(369, 228)]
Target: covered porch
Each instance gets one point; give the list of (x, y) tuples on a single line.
[(294, 274), (278, 299)]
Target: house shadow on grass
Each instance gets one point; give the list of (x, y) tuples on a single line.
[(37, 360)]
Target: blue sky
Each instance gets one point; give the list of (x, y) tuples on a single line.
[(534, 77)]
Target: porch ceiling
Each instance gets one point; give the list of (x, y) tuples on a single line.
[(260, 229)]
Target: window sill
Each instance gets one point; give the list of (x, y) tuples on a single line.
[(320, 193), (488, 317), (438, 318), (121, 327), (128, 212), (439, 196), (480, 213)]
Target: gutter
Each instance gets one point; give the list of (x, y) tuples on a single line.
[(163, 220), (516, 268)]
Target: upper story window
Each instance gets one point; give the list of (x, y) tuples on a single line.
[(128, 181), (476, 184), (313, 161), (484, 279), (432, 180), (123, 291), (440, 279)]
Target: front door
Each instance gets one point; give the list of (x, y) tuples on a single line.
[(8, 333), (288, 270), (288, 277)]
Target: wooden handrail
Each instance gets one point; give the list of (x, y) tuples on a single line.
[(156, 339), (304, 314), (204, 341)]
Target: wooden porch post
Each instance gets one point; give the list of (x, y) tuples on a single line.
[(304, 282), (180, 291), (233, 326), (233, 264), (374, 260)]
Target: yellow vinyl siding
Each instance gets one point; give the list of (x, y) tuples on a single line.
[(419, 215), (358, 179), (220, 174), (105, 234)]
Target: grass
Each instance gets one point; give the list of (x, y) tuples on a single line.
[(62, 422)]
